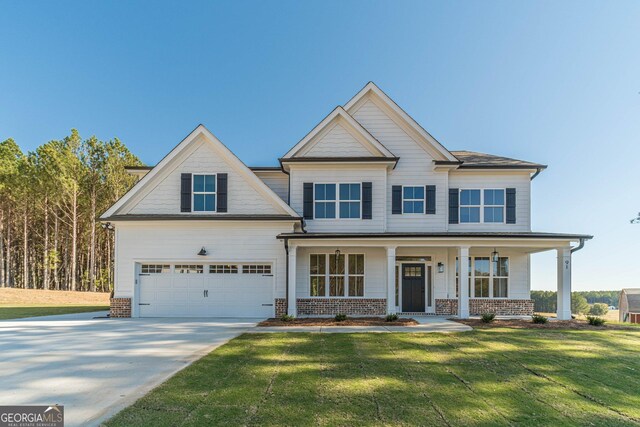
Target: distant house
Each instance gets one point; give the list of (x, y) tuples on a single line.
[(630, 305)]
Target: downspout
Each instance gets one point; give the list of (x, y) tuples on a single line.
[(286, 287), (580, 246), (536, 174)]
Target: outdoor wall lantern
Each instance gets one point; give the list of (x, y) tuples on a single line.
[(440, 267), (203, 252), (108, 226), (495, 255)]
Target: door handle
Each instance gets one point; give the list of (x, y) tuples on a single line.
[(206, 293)]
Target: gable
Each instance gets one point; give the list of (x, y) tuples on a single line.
[(200, 153), (337, 142)]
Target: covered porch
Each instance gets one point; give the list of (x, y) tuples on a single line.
[(419, 273)]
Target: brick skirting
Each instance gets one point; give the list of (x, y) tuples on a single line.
[(120, 307), (350, 306), (501, 307), (281, 306)]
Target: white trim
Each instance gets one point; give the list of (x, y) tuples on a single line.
[(327, 275), (340, 112)]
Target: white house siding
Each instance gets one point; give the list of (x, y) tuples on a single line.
[(341, 173), (375, 267), (336, 142), (180, 241), (164, 198), (278, 181), (496, 179), (519, 271), (415, 167)]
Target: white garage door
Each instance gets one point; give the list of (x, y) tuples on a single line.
[(206, 290)]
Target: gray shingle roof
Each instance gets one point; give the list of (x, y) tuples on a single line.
[(633, 299), (472, 159)]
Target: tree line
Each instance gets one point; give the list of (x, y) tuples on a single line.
[(50, 200), (546, 301)]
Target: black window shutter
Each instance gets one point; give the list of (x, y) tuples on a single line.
[(367, 196), (185, 192), (396, 199), (453, 206), (221, 192), (430, 199), (307, 199), (511, 205)]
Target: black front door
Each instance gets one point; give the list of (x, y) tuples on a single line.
[(413, 287)]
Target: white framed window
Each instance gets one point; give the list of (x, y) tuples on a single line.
[(256, 269), (155, 268), (482, 205), (489, 279), (413, 199), (336, 276), (501, 278), (203, 192), (223, 269), (481, 277), (189, 268), (337, 200)]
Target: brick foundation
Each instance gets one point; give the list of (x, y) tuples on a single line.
[(281, 306), (350, 306), (501, 307), (120, 307)]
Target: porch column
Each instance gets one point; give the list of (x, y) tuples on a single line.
[(564, 283), (391, 279), (291, 274), (463, 282)]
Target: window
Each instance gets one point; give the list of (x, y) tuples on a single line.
[(317, 270), (189, 269), (501, 278), (481, 275), (344, 275), (223, 269), (469, 206), (350, 200), (155, 268), (325, 201), (204, 193), (493, 205), (356, 275), (412, 199), (256, 269)]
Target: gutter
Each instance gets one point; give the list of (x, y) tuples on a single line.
[(580, 246), (536, 174)]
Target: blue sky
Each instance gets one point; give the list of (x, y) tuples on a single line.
[(551, 82)]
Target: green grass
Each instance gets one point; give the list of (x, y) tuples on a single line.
[(17, 312), (482, 378)]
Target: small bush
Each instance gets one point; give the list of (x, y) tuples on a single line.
[(599, 309), (539, 318), (488, 317), (391, 317), (595, 320), (340, 317), (287, 318)]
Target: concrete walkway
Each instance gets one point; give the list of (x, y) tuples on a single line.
[(96, 367), (427, 324)]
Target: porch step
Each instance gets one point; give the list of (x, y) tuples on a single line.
[(415, 313)]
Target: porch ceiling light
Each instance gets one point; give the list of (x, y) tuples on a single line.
[(440, 267), (495, 256), (203, 252)]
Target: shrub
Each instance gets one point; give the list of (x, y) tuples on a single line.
[(287, 318), (340, 317), (488, 317), (599, 309), (539, 318), (579, 304), (391, 317), (595, 320)]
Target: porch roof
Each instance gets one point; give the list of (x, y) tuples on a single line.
[(440, 234)]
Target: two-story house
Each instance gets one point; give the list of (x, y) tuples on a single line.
[(367, 215)]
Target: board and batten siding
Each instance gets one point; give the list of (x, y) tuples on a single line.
[(415, 167), (341, 174), (164, 198), (278, 181), (180, 241), (336, 142), (496, 179)]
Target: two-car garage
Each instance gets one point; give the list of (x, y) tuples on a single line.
[(205, 290)]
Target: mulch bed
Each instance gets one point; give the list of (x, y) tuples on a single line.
[(528, 324), (351, 321)]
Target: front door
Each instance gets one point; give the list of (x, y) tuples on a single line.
[(413, 288)]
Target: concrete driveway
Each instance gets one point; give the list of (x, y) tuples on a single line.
[(95, 367)]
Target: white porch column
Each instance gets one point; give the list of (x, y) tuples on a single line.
[(291, 274), (391, 279), (463, 282), (564, 283)]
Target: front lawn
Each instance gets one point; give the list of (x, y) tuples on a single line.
[(486, 377), (8, 312), (18, 303)]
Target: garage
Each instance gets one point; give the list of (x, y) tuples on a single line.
[(206, 290)]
